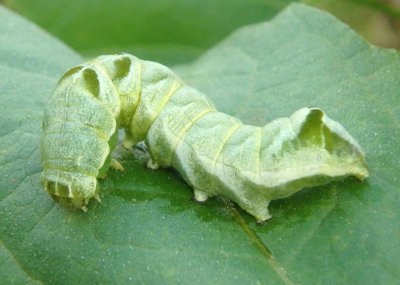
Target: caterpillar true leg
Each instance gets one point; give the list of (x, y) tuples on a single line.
[(97, 198), (181, 128), (116, 164)]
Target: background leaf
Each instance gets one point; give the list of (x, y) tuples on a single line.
[(177, 31), (378, 21), (168, 31), (147, 231)]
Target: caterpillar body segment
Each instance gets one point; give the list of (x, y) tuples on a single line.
[(215, 153)]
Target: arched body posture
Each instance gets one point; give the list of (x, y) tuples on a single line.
[(215, 153)]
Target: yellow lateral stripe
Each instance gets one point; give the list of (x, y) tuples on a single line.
[(230, 134), (184, 130)]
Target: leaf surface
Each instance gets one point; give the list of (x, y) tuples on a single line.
[(148, 231)]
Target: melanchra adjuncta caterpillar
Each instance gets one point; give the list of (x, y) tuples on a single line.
[(215, 153)]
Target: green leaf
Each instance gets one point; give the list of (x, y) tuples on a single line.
[(10, 272), (168, 31), (377, 21), (147, 231)]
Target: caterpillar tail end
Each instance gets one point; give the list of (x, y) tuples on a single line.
[(70, 190)]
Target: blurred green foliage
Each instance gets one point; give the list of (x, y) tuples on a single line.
[(178, 31), (167, 31)]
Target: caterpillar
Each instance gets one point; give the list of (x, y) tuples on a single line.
[(215, 153)]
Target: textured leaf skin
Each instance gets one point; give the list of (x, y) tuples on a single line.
[(214, 152), (147, 231)]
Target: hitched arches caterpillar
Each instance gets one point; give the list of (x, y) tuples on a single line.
[(215, 153)]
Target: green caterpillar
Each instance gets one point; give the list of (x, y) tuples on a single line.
[(215, 153)]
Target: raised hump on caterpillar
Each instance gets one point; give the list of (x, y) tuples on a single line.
[(215, 153)]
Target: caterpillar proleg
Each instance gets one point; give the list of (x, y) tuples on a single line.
[(215, 153)]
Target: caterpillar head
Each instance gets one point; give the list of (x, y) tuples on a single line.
[(71, 190)]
